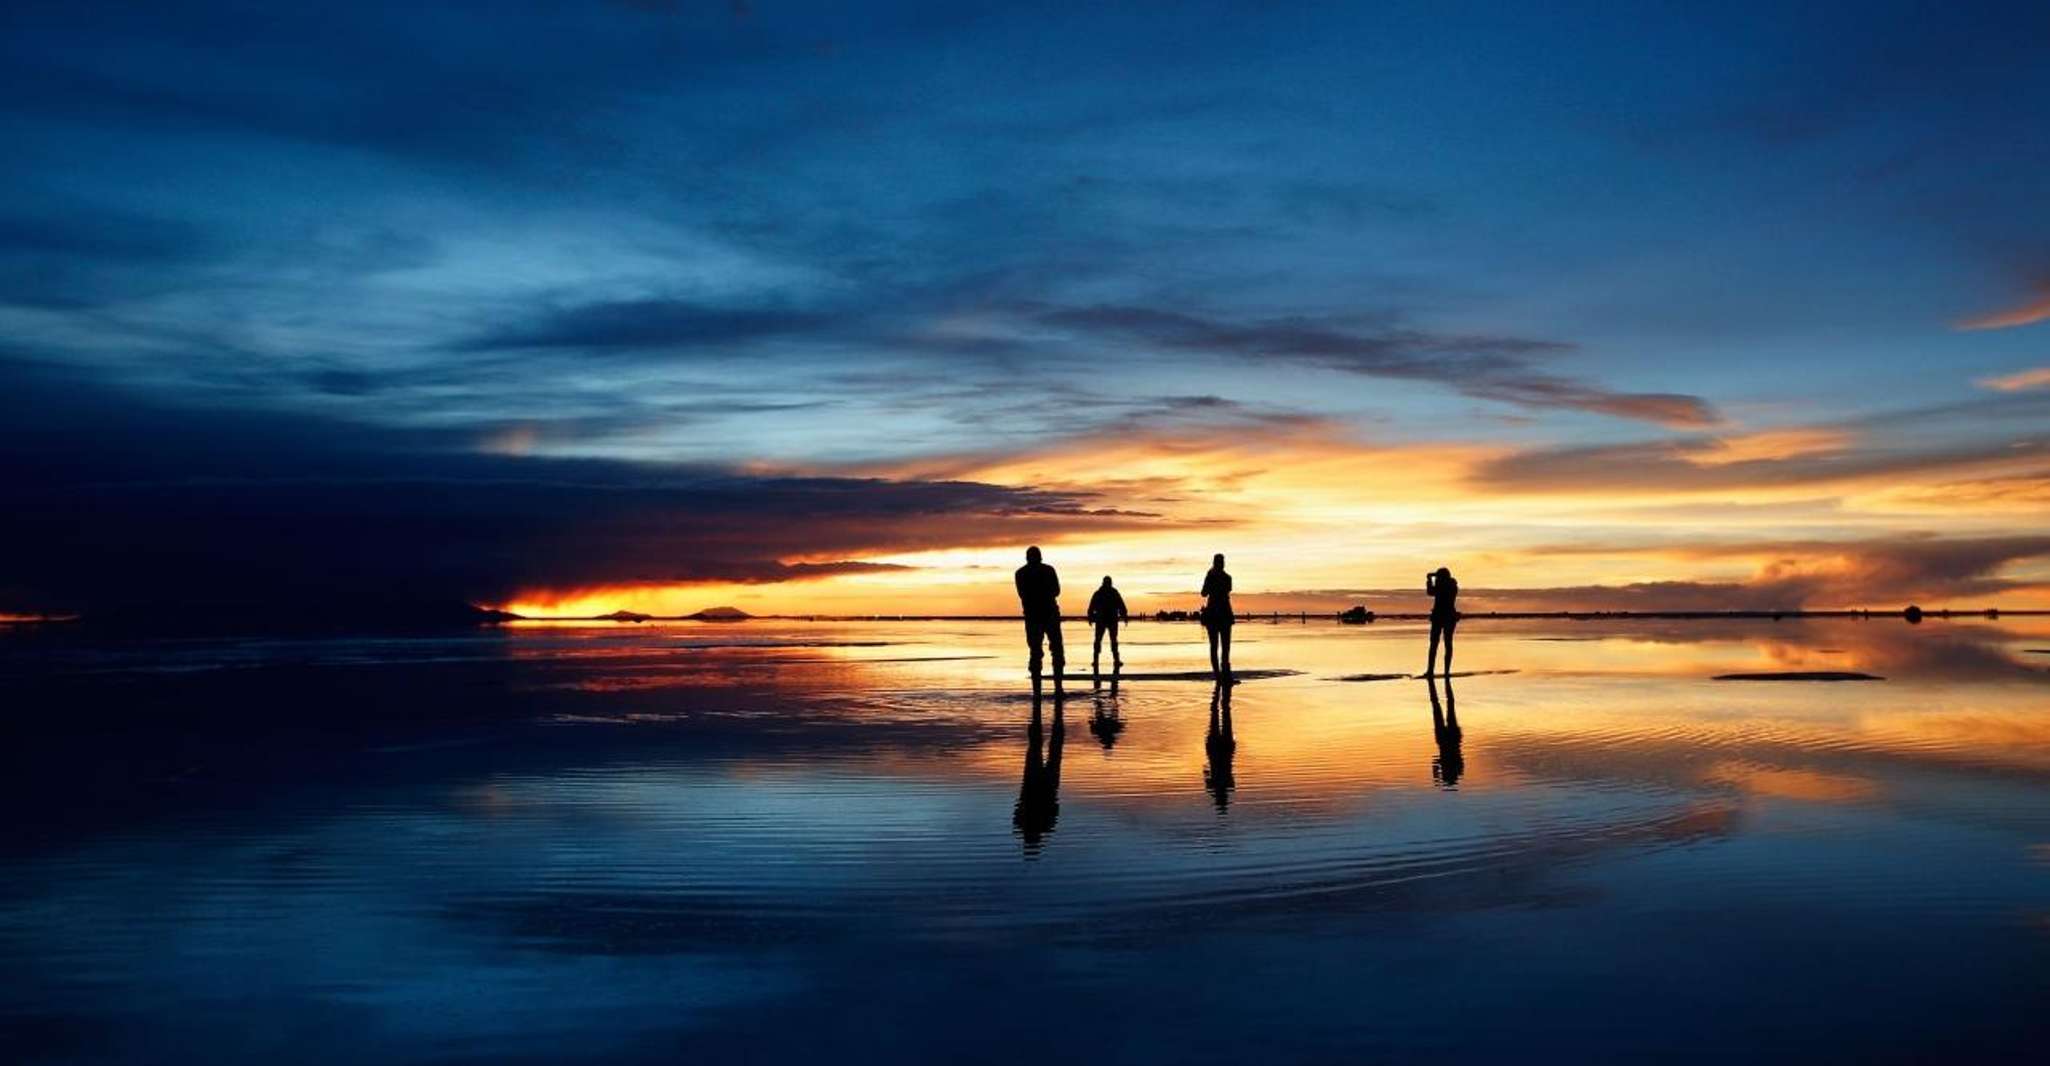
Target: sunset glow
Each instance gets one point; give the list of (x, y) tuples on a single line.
[(839, 322)]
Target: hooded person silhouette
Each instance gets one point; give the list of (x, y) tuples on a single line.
[(1106, 610)]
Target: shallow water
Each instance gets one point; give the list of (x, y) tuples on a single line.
[(776, 840)]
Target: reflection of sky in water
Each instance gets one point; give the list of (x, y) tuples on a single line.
[(780, 838)]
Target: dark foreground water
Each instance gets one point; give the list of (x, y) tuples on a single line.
[(773, 842)]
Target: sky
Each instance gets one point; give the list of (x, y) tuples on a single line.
[(833, 308)]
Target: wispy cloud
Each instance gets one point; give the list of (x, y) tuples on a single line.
[(1496, 368), (1771, 445), (2019, 380), (1789, 575), (2034, 310), (1670, 467), (653, 324)]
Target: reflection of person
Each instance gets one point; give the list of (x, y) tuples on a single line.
[(1450, 763), (1039, 591), (1220, 746), (1444, 593), (1039, 793), (1106, 610), (1106, 723), (1217, 615)]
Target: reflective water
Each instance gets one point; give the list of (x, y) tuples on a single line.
[(771, 841)]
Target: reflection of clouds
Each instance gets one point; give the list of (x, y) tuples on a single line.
[(1950, 651), (1958, 650), (1810, 785), (2018, 738), (825, 808)]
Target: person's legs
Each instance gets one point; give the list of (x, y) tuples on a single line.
[(1431, 657), (1053, 647), (1096, 652), (1449, 627), (1117, 658), (1034, 630), (1224, 639), (1212, 632)]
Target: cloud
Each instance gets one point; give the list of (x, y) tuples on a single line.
[(69, 256), (2035, 309), (1881, 576), (2022, 379), (1489, 367), (119, 503), (1886, 571), (647, 324), (1783, 459), (1771, 445)]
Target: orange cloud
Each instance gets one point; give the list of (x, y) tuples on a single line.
[(1772, 445), (2036, 310), (2016, 382), (1313, 515)]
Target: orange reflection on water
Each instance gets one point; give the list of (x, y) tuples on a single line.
[(1810, 785)]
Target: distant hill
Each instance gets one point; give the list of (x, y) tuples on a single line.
[(625, 616), (721, 614)]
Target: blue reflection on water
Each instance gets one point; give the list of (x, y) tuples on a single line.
[(869, 842)]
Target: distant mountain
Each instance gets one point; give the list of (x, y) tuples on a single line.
[(721, 614), (625, 616)]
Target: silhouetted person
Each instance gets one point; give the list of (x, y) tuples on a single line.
[(1106, 610), (1444, 593), (1217, 615), (1039, 794), (1039, 592), (1106, 723), (1450, 763), (1220, 746)]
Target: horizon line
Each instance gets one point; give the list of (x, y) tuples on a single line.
[(632, 617)]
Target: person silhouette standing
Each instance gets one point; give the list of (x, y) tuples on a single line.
[(1106, 610), (1039, 591), (1444, 593), (1217, 615)]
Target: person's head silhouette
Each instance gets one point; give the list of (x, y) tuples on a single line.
[(1032, 554), (1444, 572), (1217, 561), (1106, 581)]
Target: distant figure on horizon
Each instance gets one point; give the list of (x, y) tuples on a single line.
[(1106, 610), (1444, 593), (1217, 615), (1039, 592)]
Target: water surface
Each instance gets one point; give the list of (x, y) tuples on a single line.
[(778, 840)]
